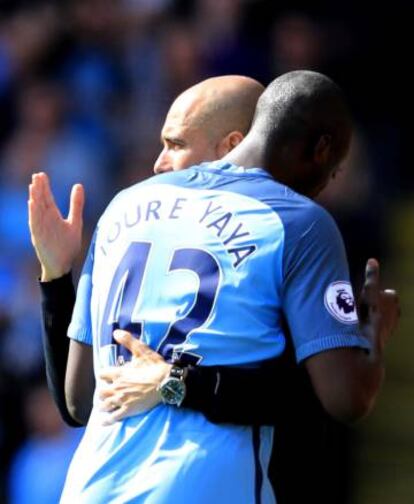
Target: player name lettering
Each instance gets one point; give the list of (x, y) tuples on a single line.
[(223, 224), (228, 230)]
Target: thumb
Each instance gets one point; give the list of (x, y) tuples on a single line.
[(390, 310), (77, 201), (126, 339), (371, 286), (369, 297)]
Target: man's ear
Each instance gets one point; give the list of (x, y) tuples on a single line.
[(322, 151), (228, 143)]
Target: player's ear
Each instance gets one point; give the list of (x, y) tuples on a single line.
[(228, 143), (322, 151)]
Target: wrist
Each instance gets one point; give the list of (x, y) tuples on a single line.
[(172, 389), (166, 372), (48, 275)]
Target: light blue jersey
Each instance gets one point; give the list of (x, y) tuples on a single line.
[(205, 265)]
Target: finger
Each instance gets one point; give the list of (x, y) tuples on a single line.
[(372, 272), (109, 374), (370, 289), (44, 193), (369, 295), (390, 297), (105, 393), (390, 307), (31, 188), (117, 415), (77, 201), (31, 205), (109, 405), (38, 178), (47, 193), (36, 210), (392, 294), (134, 345), (35, 190)]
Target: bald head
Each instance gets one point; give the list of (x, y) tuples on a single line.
[(207, 120), (221, 104), (302, 129)]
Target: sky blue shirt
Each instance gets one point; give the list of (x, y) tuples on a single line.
[(206, 265)]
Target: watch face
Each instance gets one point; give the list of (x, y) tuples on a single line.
[(173, 391)]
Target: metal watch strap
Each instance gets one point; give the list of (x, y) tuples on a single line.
[(177, 372)]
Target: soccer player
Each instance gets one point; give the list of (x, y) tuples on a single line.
[(205, 265)]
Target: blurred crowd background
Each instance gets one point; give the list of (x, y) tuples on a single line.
[(84, 88)]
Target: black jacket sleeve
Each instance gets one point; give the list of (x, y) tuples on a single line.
[(270, 395), (58, 300)]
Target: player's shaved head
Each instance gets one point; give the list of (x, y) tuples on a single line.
[(221, 104), (207, 120), (302, 129), (307, 105)]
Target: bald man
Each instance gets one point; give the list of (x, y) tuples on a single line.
[(204, 123), (207, 121)]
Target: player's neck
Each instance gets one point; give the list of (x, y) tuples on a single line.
[(250, 153)]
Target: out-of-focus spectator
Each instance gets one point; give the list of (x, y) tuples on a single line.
[(45, 139), (26, 36), (296, 42), (353, 198), (24, 40), (91, 72), (39, 467), (225, 46), (21, 353), (160, 67), (84, 88)]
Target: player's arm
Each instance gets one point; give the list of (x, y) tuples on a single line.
[(268, 395), (80, 379), (344, 359), (265, 396), (58, 299), (261, 396), (57, 243), (282, 388), (243, 396), (347, 380)]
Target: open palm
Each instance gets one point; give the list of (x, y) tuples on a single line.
[(57, 241)]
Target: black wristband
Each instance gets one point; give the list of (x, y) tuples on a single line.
[(58, 291)]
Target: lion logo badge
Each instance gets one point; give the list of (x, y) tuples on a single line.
[(340, 302)]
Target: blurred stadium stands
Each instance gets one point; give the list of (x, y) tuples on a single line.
[(84, 88)]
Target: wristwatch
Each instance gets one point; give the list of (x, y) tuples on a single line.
[(172, 388)]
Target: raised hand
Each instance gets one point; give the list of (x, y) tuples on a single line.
[(133, 388), (390, 313), (379, 310), (57, 241)]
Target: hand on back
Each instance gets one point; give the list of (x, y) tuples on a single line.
[(133, 388)]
